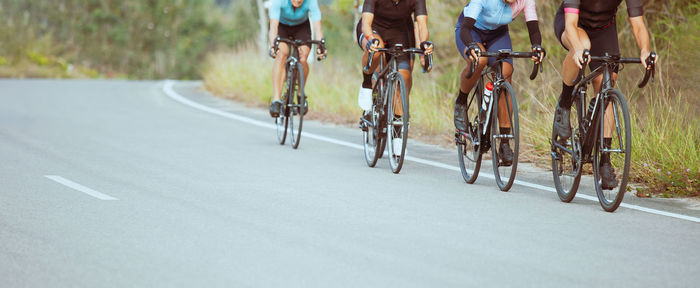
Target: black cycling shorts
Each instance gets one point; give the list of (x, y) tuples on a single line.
[(603, 39), (296, 32), (392, 37)]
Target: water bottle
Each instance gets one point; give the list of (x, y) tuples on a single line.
[(488, 90)]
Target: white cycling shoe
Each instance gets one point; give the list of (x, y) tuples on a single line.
[(364, 99), (397, 143)]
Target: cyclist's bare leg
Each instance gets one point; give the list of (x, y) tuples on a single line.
[(503, 119), (465, 84), (278, 72), (569, 69), (303, 56), (375, 59), (609, 116), (398, 109)]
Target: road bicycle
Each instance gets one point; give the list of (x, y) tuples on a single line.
[(585, 145), (382, 124), (294, 105), (483, 127)]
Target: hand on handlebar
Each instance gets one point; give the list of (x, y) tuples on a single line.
[(426, 58), (473, 52), (427, 46), (372, 45), (538, 54), (646, 60), (579, 58), (273, 52), (321, 51)]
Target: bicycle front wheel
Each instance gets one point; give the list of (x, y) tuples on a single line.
[(296, 106), (566, 157), (616, 119), (397, 123), (371, 135), (468, 142), (505, 163)]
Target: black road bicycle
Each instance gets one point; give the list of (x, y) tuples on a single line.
[(384, 125), (294, 104), (483, 128), (585, 145)]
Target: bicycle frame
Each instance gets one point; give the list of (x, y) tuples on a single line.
[(390, 71), (587, 135), (496, 70)]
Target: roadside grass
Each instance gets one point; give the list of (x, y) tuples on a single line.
[(666, 128)]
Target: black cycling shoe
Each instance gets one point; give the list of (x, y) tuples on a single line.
[(607, 176), (562, 125), (506, 154), (460, 117), (275, 108)]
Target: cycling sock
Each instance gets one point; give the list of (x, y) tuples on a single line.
[(503, 131), (462, 97), (605, 158), (565, 99), (366, 81)]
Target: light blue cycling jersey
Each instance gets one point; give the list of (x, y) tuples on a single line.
[(491, 14), (285, 12)]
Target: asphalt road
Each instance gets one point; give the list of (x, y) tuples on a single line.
[(120, 184)]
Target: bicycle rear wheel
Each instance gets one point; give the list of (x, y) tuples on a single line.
[(619, 151), (504, 171), (468, 148), (566, 157), (296, 106), (371, 136), (397, 125)]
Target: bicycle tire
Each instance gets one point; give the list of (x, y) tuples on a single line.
[(566, 167), (282, 121), (296, 107), (499, 170), (371, 137), (611, 201), (397, 154), (468, 148)]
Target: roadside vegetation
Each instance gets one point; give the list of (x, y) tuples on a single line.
[(666, 149), (126, 39)]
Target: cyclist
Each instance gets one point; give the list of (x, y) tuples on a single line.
[(591, 25), (290, 19), (483, 25), (386, 23)]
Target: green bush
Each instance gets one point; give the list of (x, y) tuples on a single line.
[(142, 39)]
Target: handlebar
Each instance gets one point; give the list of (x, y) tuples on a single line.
[(507, 53), (398, 50), (586, 58), (650, 61), (475, 62), (296, 43)]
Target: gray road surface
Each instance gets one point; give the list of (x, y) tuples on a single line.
[(203, 200)]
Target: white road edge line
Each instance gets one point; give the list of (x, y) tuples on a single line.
[(168, 90), (80, 188)]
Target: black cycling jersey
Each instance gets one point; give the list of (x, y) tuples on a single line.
[(389, 14), (600, 13)]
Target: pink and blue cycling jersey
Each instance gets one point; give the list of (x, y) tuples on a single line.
[(491, 14)]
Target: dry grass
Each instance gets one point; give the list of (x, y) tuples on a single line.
[(666, 130)]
